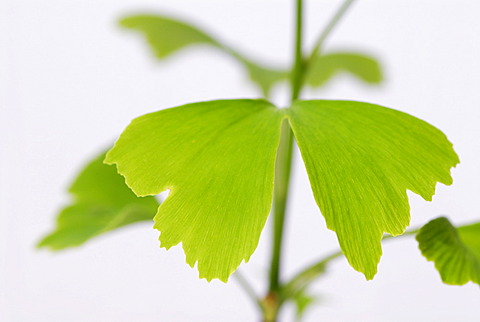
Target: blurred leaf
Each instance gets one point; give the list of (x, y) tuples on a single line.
[(102, 202), (303, 279), (302, 303), (362, 66), (455, 251), (361, 158), (166, 36), (217, 158), (264, 77)]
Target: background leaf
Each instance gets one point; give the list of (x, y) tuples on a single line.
[(101, 202), (455, 251), (364, 67), (360, 159), (167, 35), (265, 77), (217, 158), (303, 302)]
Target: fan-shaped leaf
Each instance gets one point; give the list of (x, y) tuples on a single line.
[(361, 158), (455, 251), (102, 202), (217, 158), (167, 35)]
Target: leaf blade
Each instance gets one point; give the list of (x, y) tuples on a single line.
[(265, 78), (454, 251), (101, 203), (361, 158), (362, 66), (167, 35), (303, 302), (218, 162)]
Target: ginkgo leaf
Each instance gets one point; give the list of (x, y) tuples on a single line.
[(166, 36), (102, 202), (361, 158), (455, 251), (217, 159), (325, 67)]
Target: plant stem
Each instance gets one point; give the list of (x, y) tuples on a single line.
[(282, 178), (329, 28), (298, 64), (283, 167)]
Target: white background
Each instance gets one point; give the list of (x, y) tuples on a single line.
[(71, 80)]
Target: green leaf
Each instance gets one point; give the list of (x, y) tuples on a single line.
[(361, 158), (265, 77), (325, 67), (102, 202), (166, 35), (217, 158), (303, 302), (455, 251)]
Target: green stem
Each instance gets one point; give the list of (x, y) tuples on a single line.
[(283, 167), (298, 64), (282, 179), (284, 160), (330, 26)]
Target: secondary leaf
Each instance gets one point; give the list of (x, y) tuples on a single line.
[(303, 302), (102, 202), (455, 251), (362, 66), (167, 35), (217, 158), (265, 77), (361, 158)]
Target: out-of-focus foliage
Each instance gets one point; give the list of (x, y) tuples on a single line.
[(166, 36), (364, 67), (101, 202), (302, 303), (455, 251)]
